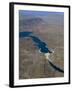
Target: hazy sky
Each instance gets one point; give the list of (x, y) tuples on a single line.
[(39, 13)]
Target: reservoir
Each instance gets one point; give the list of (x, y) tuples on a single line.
[(39, 43)]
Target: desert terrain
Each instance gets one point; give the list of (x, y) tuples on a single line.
[(50, 29)]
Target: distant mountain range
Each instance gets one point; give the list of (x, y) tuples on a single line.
[(31, 21), (32, 24), (42, 24), (52, 18)]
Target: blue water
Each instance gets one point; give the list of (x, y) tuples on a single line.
[(39, 43), (24, 34)]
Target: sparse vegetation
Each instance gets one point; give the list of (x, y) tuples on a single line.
[(33, 64)]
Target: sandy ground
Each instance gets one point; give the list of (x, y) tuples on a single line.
[(33, 64)]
